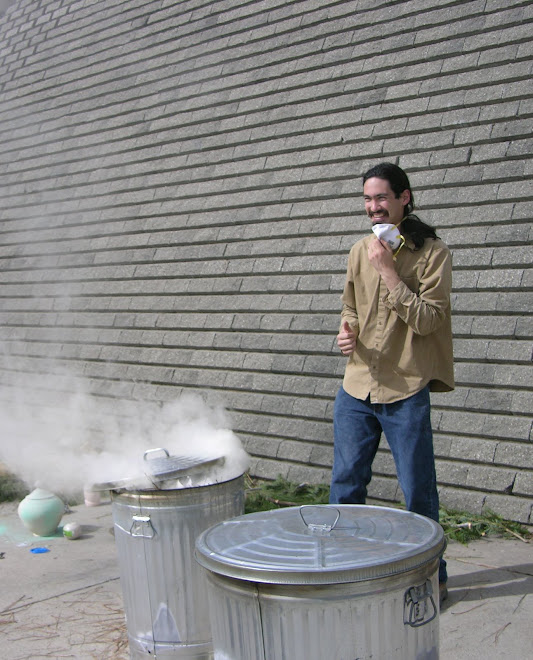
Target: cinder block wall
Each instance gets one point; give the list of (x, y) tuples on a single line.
[(180, 187)]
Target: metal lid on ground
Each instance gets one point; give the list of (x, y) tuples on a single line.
[(322, 544)]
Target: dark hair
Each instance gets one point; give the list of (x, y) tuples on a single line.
[(398, 180)]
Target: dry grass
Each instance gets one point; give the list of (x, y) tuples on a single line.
[(87, 626)]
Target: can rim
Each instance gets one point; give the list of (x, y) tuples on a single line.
[(217, 562)]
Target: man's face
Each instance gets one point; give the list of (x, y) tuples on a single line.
[(381, 204)]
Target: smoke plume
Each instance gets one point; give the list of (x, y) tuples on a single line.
[(90, 440)]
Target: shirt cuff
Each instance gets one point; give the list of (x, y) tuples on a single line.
[(397, 296)]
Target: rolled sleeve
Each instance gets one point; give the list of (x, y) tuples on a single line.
[(426, 310)]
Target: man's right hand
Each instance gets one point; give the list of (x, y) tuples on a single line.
[(346, 339)]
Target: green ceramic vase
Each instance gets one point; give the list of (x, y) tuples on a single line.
[(41, 511)]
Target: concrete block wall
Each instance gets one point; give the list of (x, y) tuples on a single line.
[(181, 187)]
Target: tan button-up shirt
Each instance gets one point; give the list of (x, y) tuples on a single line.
[(404, 337)]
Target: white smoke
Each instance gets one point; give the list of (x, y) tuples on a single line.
[(91, 440), (4, 4)]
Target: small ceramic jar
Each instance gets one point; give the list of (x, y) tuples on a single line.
[(41, 512)]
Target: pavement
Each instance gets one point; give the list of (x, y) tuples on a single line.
[(67, 602)]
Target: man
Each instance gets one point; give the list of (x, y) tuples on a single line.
[(396, 333)]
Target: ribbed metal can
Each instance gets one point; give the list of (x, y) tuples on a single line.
[(340, 582), (164, 590)]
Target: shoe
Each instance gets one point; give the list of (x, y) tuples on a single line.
[(443, 592)]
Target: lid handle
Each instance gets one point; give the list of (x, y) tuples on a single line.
[(330, 517), (151, 451)]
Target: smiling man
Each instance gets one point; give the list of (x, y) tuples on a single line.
[(396, 333)]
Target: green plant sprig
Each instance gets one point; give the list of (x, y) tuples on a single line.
[(458, 526)]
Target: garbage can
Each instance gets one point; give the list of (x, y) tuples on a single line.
[(164, 590), (309, 583)]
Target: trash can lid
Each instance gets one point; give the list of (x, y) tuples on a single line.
[(322, 544), (162, 471)]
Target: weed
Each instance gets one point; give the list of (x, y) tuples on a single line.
[(12, 488), (458, 525)]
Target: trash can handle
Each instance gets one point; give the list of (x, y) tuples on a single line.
[(323, 527), (142, 526), (151, 451), (419, 605)]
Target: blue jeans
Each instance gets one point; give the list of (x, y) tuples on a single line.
[(357, 427)]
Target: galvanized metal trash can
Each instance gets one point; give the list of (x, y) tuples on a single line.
[(164, 590), (340, 582)]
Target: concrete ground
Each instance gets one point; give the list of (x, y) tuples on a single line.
[(67, 602)]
